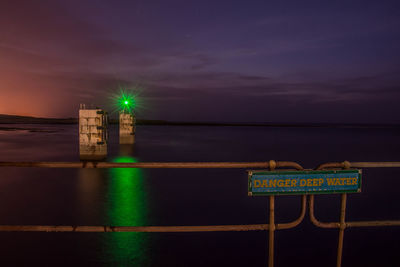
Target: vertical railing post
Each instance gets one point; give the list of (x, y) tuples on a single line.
[(342, 226), (271, 231)]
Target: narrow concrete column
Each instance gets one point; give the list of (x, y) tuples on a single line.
[(92, 133), (126, 128)]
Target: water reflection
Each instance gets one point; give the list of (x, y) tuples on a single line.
[(126, 206), (121, 191), (91, 184), (126, 198)]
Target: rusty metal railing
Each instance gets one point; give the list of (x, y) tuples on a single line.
[(155, 165), (342, 224), (271, 227)]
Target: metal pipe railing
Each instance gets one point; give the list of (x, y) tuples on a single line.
[(271, 232), (348, 165), (271, 226), (196, 165), (342, 224), (151, 165), (320, 224), (161, 229)]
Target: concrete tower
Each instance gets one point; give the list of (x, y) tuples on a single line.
[(126, 127), (92, 133)]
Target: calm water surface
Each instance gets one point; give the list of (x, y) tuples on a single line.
[(135, 197)]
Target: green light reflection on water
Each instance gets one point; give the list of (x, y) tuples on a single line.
[(126, 206)]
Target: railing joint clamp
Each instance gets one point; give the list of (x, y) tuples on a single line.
[(272, 165)]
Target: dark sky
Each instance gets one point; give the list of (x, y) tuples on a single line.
[(246, 61)]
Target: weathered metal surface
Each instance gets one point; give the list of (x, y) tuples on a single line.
[(148, 165), (262, 183), (372, 223), (347, 165), (286, 164), (161, 229), (342, 226), (271, 231), (318, 223), (175, 165), (387, 164)]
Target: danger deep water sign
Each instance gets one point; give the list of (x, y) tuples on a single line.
[(263, 183)]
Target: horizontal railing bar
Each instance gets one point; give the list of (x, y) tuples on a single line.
[(91, 164), (372, 223), (195, 165), (161, 229), (318, 223), (165, 229), (347, 165), (387, 164), (174, 165)]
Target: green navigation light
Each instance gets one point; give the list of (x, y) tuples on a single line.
[(127, 103), (126, 100)]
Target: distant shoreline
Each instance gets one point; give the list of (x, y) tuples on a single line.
[(12, 119)]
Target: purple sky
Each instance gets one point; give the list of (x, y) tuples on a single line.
[(246, 61)]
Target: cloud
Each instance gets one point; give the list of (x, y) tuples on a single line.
[(202, 61), (53, 57), (356, 89), (49, 36)]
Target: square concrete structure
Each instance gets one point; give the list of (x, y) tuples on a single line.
[(92, 134), (126, 128)]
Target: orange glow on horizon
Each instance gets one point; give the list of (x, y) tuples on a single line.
[(34, 104)]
